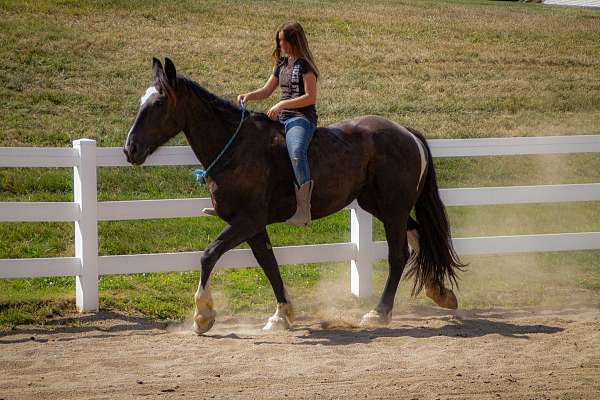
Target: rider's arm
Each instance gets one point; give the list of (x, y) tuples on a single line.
[(264, 91)]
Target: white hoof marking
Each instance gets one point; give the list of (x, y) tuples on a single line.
[(282, 319), (276, 324), (375, 318), (204, 315)]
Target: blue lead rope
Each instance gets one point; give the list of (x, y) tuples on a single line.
[(200, 173)]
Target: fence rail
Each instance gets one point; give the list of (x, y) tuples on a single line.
[(85, 211)]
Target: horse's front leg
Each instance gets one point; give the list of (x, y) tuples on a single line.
[(263, 252), (239, 231)]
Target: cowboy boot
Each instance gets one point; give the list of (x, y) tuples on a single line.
[(209, 211), (302, 215)]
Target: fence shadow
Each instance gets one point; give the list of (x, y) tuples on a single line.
[(460, 325), (465, 328), (107, 323)]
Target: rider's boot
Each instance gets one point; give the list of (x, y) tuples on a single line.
[(302, 215)]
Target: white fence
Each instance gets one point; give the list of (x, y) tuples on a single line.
[(85, 211), (578, 3)]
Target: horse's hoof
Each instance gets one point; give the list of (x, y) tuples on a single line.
[(276, 324), (443, 297), (374, 318), (203, 322), (203, 326)]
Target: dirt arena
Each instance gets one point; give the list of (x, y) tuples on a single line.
[(427, 354)]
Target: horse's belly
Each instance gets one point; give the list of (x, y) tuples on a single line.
[(338, 179)]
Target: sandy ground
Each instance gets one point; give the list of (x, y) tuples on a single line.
[(427, 354)]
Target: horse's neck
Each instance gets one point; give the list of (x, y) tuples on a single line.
[(208, 128)]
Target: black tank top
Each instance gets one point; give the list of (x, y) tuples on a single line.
[(291, 82)]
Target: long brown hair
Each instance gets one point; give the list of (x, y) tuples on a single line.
[(294, 35)]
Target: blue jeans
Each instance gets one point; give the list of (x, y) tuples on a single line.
[(298, 134)]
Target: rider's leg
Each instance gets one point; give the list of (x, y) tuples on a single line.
[(298, 134)]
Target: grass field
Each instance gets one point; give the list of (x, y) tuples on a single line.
[(73, 69)]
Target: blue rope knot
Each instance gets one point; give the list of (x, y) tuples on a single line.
[(200, 173)]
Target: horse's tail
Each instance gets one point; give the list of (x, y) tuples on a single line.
[(436, 260)]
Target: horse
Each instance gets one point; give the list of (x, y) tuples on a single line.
[(386, 167)]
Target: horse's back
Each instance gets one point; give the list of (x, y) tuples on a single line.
[(345, 158), (368, 138)]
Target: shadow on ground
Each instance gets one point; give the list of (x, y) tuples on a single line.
[(108, 323), (460, 324), (460, 328)]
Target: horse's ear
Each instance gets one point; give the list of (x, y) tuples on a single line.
[(157, 68), (170, 72)]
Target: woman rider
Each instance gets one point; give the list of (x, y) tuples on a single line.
[(296, 74)]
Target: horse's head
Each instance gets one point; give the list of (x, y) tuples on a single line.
[(155, 122)]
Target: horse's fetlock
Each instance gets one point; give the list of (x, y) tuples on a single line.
[(286, 310), (376, 317)]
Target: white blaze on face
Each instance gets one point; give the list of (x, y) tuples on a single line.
[(149, 92)]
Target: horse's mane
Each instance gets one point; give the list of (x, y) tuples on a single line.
[(216, 101), (221, 103)]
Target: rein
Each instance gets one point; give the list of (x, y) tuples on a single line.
[(200, 174)]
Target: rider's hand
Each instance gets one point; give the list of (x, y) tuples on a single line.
[(242, 98), (274, 112)]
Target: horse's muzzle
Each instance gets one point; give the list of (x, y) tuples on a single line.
[(134, 156)]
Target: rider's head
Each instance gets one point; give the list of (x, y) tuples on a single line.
[(291, 41)]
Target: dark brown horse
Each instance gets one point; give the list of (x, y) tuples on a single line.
[(386, 167)]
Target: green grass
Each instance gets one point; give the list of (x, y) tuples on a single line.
[(451, 69)]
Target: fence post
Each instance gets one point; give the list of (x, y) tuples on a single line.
[(86, 228), (361, 267)]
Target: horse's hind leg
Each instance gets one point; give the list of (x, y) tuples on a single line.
[(263, 252), (395, 231), (442, 296), (412, 234)]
